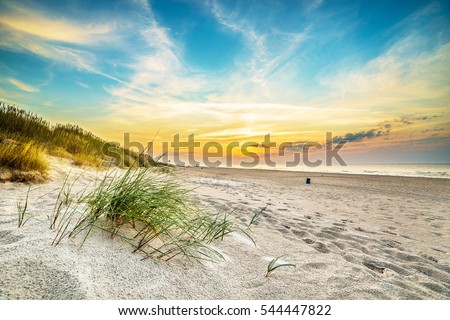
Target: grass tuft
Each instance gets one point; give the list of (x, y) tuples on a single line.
[(273, 265), (22, 210), (256, 216), (25, 156), (147, 209)]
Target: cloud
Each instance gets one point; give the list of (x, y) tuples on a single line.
[(313, 5), (22, 86), (435, 129), (358, 136), (396, 77), (25, 20), (412, 118), (157, 74), (400, 127), (83, 85), (265, 65), (80, 59), (407, 75), (78, 43)]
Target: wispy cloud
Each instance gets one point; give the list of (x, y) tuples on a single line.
[(408, 74), (69, 42), (396, 75), (23, 86), (83, 85), (435, 129), (16, 41), (157, 74), (260, 73), (411, 118), (25, 20), (315, 4)]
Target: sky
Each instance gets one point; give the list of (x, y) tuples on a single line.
[(375, 73)]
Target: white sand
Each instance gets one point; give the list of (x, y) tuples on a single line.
[(350, 236)]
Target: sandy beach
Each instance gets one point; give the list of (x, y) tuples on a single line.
[(350, 237)]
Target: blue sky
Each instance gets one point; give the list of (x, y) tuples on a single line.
[(236, 70)]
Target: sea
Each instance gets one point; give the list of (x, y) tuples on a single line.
[(426, 170)]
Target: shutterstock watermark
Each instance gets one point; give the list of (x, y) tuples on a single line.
[(215, 154)]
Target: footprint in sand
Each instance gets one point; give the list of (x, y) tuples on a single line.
[(408, 257), (7, 237), (315, 266), (432, 272), (374, 267), (254, 284), (436, 287), (32, 279), (340, 245), (282, 230), (431, 258), (299, 233), (319, 246), (391, 243), (339, 224), (8, 221)]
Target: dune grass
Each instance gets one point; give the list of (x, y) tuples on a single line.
[(274, 264), (68, 141), (145, 208), (256, 217), (22, 211), (26, 156)]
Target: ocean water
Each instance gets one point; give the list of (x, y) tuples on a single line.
[(428, 170)]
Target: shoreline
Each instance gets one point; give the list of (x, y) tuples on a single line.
[(307, 172)]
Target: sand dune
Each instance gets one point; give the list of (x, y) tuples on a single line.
[(350, 237)]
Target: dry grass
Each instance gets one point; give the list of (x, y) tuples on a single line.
[(67, 141), (25, 156)]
